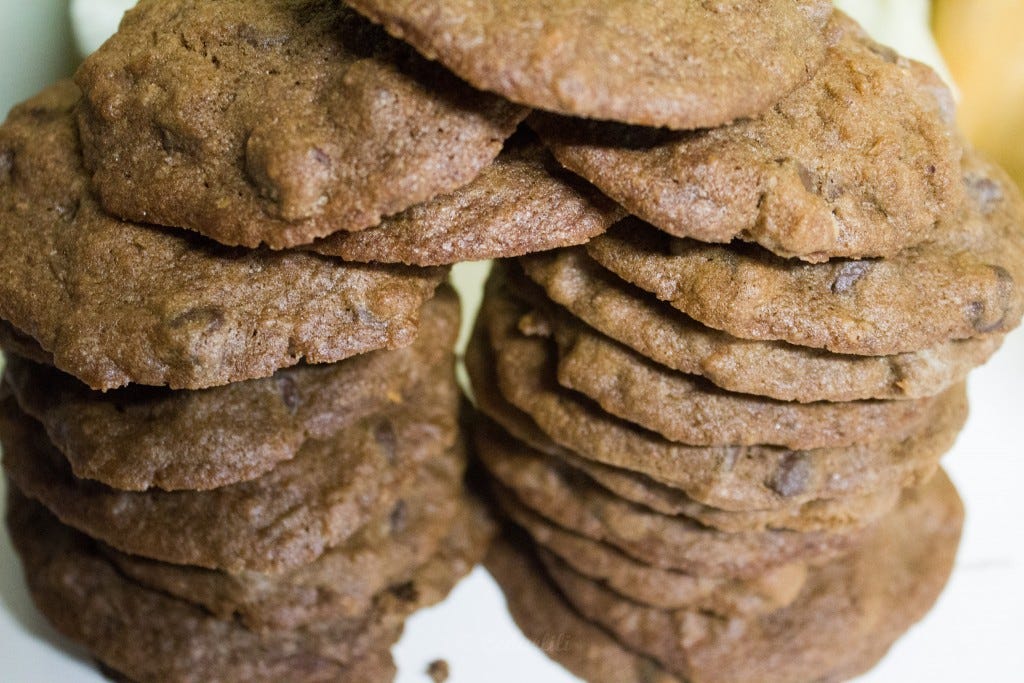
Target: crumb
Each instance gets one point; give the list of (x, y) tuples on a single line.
[(438, 670)]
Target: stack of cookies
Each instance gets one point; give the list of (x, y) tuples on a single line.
[(717, 427), (229, 416), (713, 408)]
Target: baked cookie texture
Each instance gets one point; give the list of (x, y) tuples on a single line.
[(523, 203), (861, 161), (842, 622), (864, 307), (681, 65), (140, 438), (275, 121), (117, 303), (774, 369)]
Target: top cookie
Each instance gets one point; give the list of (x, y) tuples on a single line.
[(860, 161), (275, 121), (117, 303), (677, 63)]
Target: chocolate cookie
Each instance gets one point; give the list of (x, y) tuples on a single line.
[(275, 121), (150, 636), (877, 307), (649, 585), (861, 161), (847, 616), (522, 203), (117, 303), (570, 501), (564, 636), (683, 64), (832, 514), (138, 438), (764, 368), (285, 519), (343, 581), (730, 478), (689, 409)]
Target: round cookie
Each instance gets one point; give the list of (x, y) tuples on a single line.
[(833, 514), (285, 519), (343, 581), (774, 369), (861, 161), (522, 203), (649, 585), (730, 478), (139, 438), (117, 303), (564, 636), (875, 307), (682, 64), (570, 501), (150, 636), (691, 410), (275, 121), (847, 616)]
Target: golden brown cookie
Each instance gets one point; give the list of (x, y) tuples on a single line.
[(569, 500), (553, 626), (967, 283), (284, 519), (778, 370), (118, 303), (648, 585), (681, 64), (522, 203), (342, 582), (150, 636), (847, 616), (727, 477), (861, 161), (689, 409), (138, 438), (275, 121)]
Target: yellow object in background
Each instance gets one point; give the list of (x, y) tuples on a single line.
[(983, 45)]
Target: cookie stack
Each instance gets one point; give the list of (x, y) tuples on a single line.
[(230, 418), (717, 427)]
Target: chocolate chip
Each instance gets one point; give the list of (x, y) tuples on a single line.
[(290, 395), (399, 517), (792, 476), (406, 592), (384, 433), (848, 275)]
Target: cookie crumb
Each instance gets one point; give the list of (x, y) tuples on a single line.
[(438, 671)]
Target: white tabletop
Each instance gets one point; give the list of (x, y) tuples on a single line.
[(972, 635)]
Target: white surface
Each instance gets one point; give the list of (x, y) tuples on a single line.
[(973, 634)]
